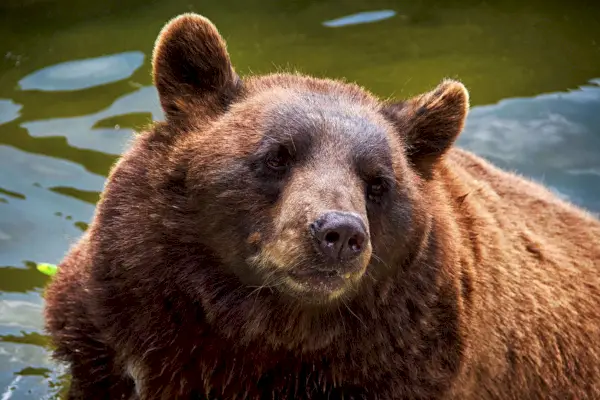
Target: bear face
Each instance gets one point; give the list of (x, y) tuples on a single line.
[(301, 186), (305, 198)]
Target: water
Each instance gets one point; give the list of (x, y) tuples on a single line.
[(74, 83)]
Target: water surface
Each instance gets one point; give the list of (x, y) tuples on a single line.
[(75, 84)]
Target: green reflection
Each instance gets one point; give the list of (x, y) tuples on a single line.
[(32, 338), (83, 226), (21, 279), (88, 196), (59, 387), (131, 120), (54, 146), (31, 371), (12, 194)]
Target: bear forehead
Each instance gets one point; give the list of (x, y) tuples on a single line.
[(316, 119)]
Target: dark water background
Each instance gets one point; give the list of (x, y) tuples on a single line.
[(75, 83)]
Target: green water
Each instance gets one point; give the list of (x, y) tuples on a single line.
[(532, 68)]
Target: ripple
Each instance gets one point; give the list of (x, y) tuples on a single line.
[(32, 230), (9, 110), (551, 138), (86, 132), (20, 312), (85, 73), (360, 18)]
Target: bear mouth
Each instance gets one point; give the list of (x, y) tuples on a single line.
[(313, 280), (314, 284), (320, 281)]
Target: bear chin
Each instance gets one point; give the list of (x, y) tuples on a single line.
[(310, 284)]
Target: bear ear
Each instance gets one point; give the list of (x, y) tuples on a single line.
[(431, 122), (191, 68)]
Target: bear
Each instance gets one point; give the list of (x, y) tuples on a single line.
[(290, 237)]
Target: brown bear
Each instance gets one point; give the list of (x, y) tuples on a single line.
[(287, 237)]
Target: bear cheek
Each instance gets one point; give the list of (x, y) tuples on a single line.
[(285, 247), (393, 227)]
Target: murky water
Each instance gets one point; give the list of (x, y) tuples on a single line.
[(74, 83)]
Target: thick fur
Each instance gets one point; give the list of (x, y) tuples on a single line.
[(476, 283)]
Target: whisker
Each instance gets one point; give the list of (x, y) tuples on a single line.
[(265, 284), (379, 259), (368, 275), (352, 312)]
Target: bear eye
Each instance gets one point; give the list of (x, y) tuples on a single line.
[(376, 189), (278, 161)]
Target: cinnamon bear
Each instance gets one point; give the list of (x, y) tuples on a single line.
[(287, 237)]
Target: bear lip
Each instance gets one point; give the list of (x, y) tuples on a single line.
[(319, 280)]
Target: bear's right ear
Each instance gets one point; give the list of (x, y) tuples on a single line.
[(192, 70)]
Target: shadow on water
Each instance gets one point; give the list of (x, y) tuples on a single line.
[(75, 85)]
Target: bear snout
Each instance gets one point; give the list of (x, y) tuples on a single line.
[(339, 236)]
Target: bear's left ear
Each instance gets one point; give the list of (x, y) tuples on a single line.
[(192, 70), (431, 122)]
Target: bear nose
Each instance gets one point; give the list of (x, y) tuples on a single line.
[(340, 236)]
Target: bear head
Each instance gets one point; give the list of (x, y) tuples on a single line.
[(297, 192)]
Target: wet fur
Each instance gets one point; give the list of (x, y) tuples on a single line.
[(481, 284)]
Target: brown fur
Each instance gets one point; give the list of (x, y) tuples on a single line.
[(474, 283)]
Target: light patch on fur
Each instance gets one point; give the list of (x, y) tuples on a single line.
[(283, 253), (135, 370), (300, 287), (254, 238)]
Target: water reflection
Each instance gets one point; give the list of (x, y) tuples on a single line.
[(24, 362), (87, 131), (9, 110), (82, 74), (360, 18), (554, 138), (33, 221)]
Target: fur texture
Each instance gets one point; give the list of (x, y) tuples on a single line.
[(474, 283)]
